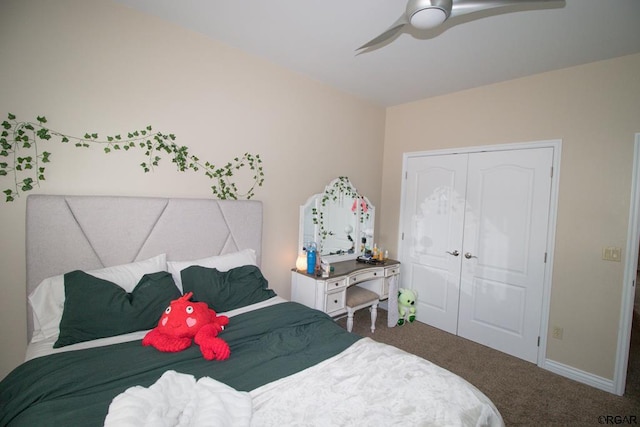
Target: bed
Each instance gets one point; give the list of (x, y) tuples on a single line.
[(88, 257)]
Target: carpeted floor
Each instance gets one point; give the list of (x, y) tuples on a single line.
[(525, 394)]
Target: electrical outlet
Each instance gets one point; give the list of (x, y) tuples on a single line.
[(557, 332)]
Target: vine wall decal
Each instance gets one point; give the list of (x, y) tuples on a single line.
[(22, 158)]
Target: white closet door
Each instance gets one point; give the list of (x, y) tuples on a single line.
[(505, 238), (474, 241), (433, 215)]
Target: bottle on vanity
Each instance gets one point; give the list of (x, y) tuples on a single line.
[(311, 257)]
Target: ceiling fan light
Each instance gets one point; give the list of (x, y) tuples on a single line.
[(430, 17)]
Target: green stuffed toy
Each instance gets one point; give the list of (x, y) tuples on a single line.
[(406, 305)]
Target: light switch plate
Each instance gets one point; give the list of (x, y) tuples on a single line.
[(612, 254)]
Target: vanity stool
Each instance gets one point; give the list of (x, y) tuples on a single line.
[(358, 298)]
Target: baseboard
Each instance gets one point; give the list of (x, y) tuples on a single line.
[(579, 376)]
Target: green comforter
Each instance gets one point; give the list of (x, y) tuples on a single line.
[(76, 387)]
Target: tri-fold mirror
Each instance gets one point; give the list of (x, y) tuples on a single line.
[(340, 221)]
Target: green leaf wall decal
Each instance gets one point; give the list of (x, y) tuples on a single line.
[(28, 135)]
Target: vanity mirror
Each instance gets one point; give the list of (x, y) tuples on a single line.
[(339, 220)]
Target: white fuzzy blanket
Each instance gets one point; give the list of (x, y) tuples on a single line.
[(179, 400), (373, 384), (369, 384)]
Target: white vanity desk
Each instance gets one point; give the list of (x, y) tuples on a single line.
[(328, 294), (341, 222)]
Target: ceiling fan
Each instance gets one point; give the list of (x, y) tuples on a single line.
[(427, 14)]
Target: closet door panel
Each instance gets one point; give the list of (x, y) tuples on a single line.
[(433, 214), (505, 233)]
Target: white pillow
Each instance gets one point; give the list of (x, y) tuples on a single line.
[(221, 263), (47, 300)]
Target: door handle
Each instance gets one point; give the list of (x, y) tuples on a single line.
[(454, 253), (469, 256)]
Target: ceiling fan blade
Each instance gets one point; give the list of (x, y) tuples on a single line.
[(394, 29), (464, 7)]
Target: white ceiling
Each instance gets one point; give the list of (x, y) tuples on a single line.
[(318, 38)]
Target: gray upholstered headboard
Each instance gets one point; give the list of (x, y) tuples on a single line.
[(65, 233)]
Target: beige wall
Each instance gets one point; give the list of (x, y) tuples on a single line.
[(595, 111), (100, 67)]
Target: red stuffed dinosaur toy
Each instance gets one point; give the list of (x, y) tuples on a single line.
[(185, 320)]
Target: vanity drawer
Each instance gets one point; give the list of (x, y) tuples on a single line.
[(333, 285), (335, 301), (390, 271), (365, 275)]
